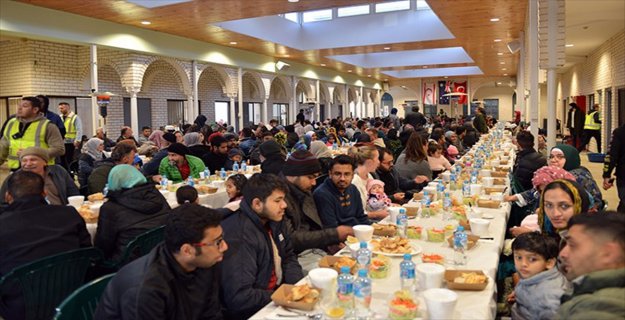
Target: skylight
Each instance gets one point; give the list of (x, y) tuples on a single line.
[(422, 5), (392, 6), (434, 72), (406, 57), (318, 15), (353, 11), (293, 16)]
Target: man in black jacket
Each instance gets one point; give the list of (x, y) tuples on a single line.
[(261, 256), (575, 123), (415, 118), (177, 279), (310, 238), (616, 159), (527, 160), (31, 229), (396, 187)]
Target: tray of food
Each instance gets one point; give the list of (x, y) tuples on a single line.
[(337, 263), (384, 230), (471, 241), (394, 246), (302, 297), (474, 280)]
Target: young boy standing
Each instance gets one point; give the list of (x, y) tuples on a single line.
[(538, 293)]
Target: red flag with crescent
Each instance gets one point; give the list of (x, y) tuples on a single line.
[(461, 87), (429, 91)]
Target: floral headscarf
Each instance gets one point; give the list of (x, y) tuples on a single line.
[(546, 174)]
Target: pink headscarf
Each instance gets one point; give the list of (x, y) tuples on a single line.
[(157, 138), (547, 174)]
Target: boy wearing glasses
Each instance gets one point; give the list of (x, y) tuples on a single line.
[(176, 280)]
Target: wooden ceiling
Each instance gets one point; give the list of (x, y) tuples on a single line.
[(468, 20)]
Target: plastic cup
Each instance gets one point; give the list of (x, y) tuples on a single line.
[(440, 303), (430, 275), (322, 278), (446, 176), (485, 173), (363, 232), (393, 213), (76, 201), (476, 189), (479, 227), (488, 181)]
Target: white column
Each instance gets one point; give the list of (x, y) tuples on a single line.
[(317, 102), (263, 113), (94, 87), (134, 111), (232, 119), (533, 68), (295, 105), (361, 104), (190, 114), (520, 79), (196, 97), (240, 118), (551, 108), (346, 104)]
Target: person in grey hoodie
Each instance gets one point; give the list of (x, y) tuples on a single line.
[(538, 293)]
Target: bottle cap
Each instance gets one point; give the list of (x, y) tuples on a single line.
[(344, 269), (363, 244), (362, 273), (407, 256), (460, 228)]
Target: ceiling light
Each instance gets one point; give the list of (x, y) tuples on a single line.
[(385, 79), (505, 74), (145, 23), (499, 83), (323, 64), (502, 62), (286, 56), (504, 69), (293, 1), (500, 53), (387, 48), (497, 40), (446, 77), (494, 19), (369, 75), (569, 45), (349, 70), (233, 43), (425, 67)]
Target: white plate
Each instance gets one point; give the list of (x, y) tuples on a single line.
[(415, 250), (487, 216)]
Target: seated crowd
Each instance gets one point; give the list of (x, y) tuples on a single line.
[(317, 181)]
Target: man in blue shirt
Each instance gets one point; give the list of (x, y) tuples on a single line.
[(337, 199)]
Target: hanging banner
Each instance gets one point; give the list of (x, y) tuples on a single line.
[(429, 91), (461, 87), (443, 88)]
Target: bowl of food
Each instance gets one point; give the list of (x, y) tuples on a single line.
[(436, 235), (379, 267), (403, 306), (414, 232)]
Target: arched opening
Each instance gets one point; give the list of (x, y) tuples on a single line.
[(252, 100), (351, 101), (497, 101), (303, 95), (387, 103), (278, 103), (337, 104), (213, 102), (162, 91)]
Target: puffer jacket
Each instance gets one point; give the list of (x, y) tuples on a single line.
[(127, 214), (539, 296), (598, 295), (304, 223), (196, 165), (247, 265), (527, 162)]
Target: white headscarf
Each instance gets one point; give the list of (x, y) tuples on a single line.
[(91, 148)]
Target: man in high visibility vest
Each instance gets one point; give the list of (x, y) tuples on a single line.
[(73, 133), (29, 128), (592, 128)]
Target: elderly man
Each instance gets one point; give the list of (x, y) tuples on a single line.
[(177, 279), (29, 128), (126, 134), (180, 164), (58, 184), (261, 256), (32, 229), (337, 199), (123, 153), (310, 238), (108, 143), (594, 260)]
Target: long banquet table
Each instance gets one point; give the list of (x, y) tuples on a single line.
[(470, 305)]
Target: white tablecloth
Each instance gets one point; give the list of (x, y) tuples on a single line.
[(214, 200)]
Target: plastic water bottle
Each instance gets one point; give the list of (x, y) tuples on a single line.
[(190, 181), (447, 206), (163, 182), (335, 146), (244, 166), (402, 222), (440, 189), (473, 177), (362, 295), (425, 205), (222, 174), (363, 256), (345, 291), (407, 273), (105, 191), (460, 246), (235, 167), (466, 189), (207, 174)]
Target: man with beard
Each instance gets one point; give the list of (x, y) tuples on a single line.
[(177, 279), (179, 164), (217, 157), (261, 255), (337, 199), (310, 238), (394, 184)]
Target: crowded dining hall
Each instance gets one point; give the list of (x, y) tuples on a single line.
[(312, 159)]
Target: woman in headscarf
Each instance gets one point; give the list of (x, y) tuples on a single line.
[(90, 153), (134, 206), (560, 200), (323, 154), (193, 141), (567, 157)]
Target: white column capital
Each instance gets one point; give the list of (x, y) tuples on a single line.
[(133, 91)]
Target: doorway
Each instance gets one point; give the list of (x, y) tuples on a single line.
[(144, 110), (620, 101)]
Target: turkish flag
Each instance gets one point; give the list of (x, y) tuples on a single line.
[(461, 87)]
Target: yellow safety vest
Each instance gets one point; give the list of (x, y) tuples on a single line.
[(590, 123), (34, 136), (70, 127)]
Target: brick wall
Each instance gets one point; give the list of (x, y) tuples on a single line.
[(160, 83), (210, 89), (16, 67)]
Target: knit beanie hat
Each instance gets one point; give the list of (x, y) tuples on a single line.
[(452, 151), (571, 154), (35, 151), (301, 163), (169, 137), (374, 182), (178, 148), (235, 152), (269, 147)]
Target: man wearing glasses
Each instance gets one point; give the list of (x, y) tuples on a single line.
[(261, 257), (177, 279)]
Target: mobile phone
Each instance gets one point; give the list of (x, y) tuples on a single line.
[(611, 180)]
